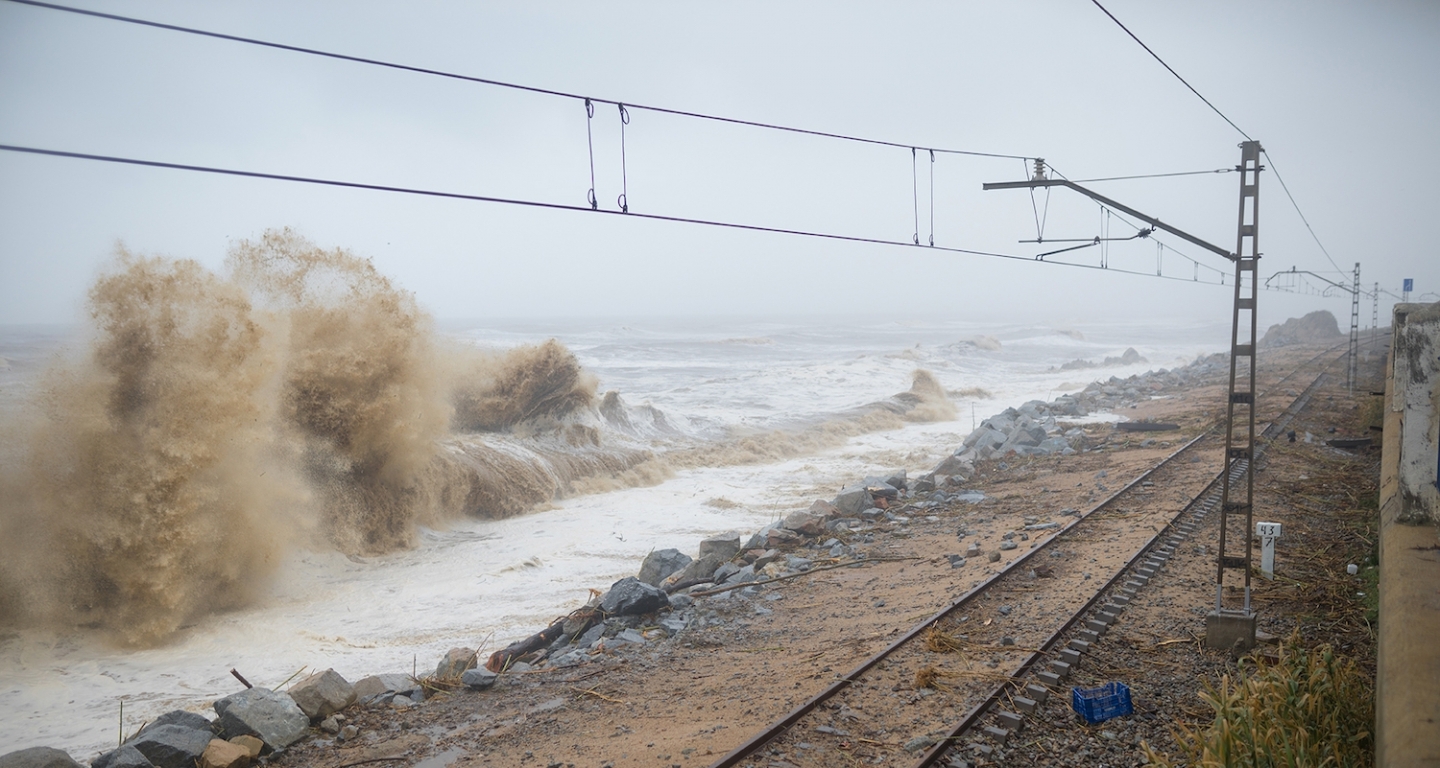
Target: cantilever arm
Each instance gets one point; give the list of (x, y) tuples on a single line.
[(1152, 221)]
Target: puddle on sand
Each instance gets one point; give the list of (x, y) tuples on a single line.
[(441, 760)]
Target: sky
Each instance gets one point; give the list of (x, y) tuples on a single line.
[(1345, 98)]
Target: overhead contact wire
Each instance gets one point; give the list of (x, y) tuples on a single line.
[(486, 80), (528, 204)]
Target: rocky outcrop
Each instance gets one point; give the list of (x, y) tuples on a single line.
[(1318, 326)]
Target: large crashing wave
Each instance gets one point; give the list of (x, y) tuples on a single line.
[(215, 419), (302, 399)]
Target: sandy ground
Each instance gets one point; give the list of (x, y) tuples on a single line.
[(752, 656)]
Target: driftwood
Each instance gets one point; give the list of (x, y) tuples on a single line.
[(1145, 426), (502, 658)]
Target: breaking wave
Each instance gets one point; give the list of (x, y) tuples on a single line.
[(212, 421)]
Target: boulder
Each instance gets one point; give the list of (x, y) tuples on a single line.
[(250, 744), (724, 572), (124, 757), (696, 572), (898, 479), (172, 746), (369, 689), (180, 717), (479, 678), (744, 575), (879, 489), (805, 523), (222, 754), (38, 757), (661, 563), (633, 597), (323, 694), (455, 662), (825, 509), (724, 546), (274, 717), (852, 499), (780, 537), (953, 466)]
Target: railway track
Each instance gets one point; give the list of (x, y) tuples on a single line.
[(976, 666)]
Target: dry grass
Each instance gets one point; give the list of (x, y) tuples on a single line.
[(930, 677)]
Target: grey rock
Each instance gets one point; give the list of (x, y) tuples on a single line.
[(181, 717), (1005, 610), (724, 572), (126, 756), (661, 563), (724, 546), (571, 659), (878, 488), (455, 662), (173, 746), (369, 689), (741, 576), (349, 732), (898, 479), (479, 678), (678, 602), (805, 523), (698, 571), (825, 509), (38, 757), (628, 637), (797, 563), (852, 499), (324, 693), (1008, 544), (330, 725), (273, 717), (633, 597), (596, 632)]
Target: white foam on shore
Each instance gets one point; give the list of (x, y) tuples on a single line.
[(501, 580)]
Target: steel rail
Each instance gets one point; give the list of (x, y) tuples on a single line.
[(754, 743), (779, 726), (1206, 497)]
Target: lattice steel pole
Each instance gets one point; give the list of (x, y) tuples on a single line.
[(1353, 369), (1227, 627)]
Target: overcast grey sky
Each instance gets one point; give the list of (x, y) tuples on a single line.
[(1344, 96)]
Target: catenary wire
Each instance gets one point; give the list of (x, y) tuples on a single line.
[(1155, 175), (497, 83), (549, 205), (1286, 187), (1171, 69)]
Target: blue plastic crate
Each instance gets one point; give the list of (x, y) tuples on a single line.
[(1097, 705)]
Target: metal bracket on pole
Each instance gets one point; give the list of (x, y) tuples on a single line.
[(1224, 628)]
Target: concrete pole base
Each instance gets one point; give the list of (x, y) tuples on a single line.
[(1230, 629)]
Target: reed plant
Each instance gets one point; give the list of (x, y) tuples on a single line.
[(1305, 709)]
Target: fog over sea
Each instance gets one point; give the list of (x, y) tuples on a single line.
[(713, 425)]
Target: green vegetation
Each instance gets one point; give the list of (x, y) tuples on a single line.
[(1306, 709)]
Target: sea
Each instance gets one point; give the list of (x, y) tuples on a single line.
[(743, 420)]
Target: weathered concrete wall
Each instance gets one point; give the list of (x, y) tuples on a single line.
[(1408, 678), (1416, 373)]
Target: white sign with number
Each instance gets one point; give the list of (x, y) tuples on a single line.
[(1268, 533)]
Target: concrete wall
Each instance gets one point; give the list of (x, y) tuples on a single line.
[(1416, 353), (1407, 700)]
